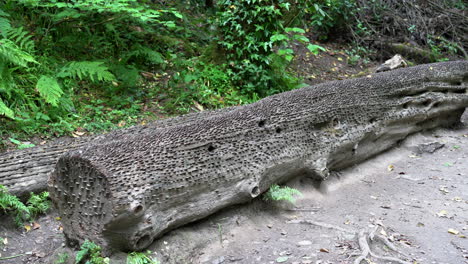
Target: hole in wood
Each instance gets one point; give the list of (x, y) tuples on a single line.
[(138, 209), (261, 123), (255, 191), (143, 242), (278, 130), (426, 102), (211, 148)]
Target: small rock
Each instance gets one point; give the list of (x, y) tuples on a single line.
[(429, 147), (395, 62), (219, 260), (304, 243)]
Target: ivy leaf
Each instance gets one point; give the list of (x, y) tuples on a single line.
[(278, 37), (301, 38), (295, 29), (281, 259), (282, 52), (315, 49)]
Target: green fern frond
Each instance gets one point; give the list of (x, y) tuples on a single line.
[(5, 111), (5, 26), (22, 38), (12, 53), (146, 54), (49, 89), (277, 193), (4, 14), (38, 204), (141, 258), (12, 203), (93, 70)]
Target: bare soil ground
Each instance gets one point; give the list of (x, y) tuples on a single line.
[(414, 202)]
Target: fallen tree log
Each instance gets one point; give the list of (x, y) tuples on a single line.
[(128, 191), (27, 170)]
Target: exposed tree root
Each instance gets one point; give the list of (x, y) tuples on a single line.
[(363, 237), (320, 224), (366, 251)]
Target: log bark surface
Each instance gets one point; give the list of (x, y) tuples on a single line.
[(25, 171), (128, 191)]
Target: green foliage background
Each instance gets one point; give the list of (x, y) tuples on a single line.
[(93, 65)]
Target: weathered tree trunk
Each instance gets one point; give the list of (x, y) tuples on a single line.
[(27, 170), (128, 191)]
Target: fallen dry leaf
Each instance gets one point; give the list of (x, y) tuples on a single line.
[(390, 167), (453, 231), (121, 123), (36, 225), (383, 233), (324, 250), (27, 227), (444, 190), (198, 106), (442, 213)]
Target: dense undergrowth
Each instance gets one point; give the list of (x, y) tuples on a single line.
[(92, 65)]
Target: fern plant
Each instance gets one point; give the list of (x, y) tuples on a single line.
[(12, 204), (141, 258), (285, 193), (93, 70), (90, 253), (36, 204)]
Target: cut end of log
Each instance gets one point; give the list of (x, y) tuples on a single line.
[(84, 201)]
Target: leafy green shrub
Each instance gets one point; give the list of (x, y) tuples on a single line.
[(325, 15), (52, 51), (62, 258), (36, 204), (90, 253), (20, 144), (141, 258), (255, 40), (277, 193)]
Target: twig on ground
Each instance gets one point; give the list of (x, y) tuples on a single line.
[(320, 224), (14, 256)]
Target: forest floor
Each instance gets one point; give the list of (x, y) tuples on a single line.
[(413, 199)]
